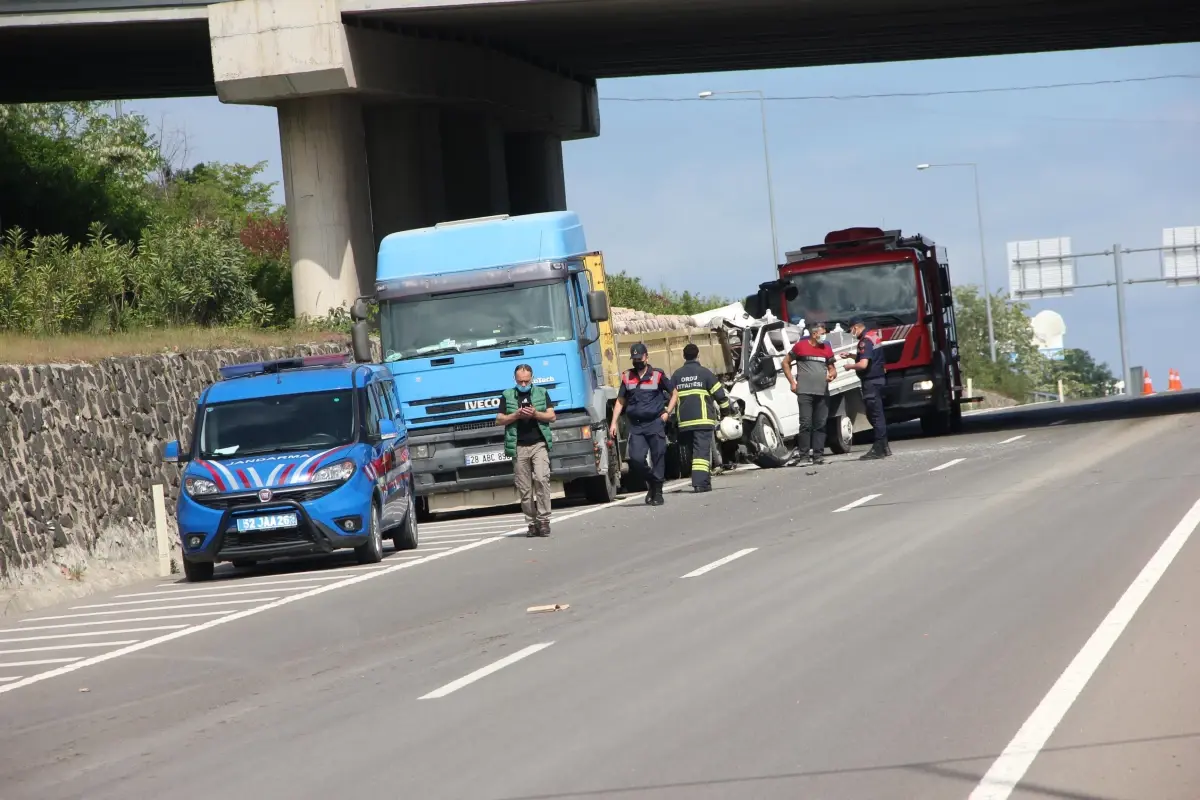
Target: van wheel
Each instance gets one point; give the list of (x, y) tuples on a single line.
[(767, 437), (406, 536), (839, 433), (371, 551), (196, 571)]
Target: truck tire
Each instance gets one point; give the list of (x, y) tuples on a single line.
[(673, 468), (604, 488), (839, 434)]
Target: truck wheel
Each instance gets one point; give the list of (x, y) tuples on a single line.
[(673, 468), (956, 422), (371, 551), (839, 433), (935, 423), (196, 571), (604, 488), (406, 537)]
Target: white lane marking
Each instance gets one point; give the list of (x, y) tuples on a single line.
[(483, 672), (8, 664), (329, 587), (948, 464), (227, 583), (1008, 770), (1057, 422), (424, 549), (183, 596), (109, 621), (1012, 439), (13, 678), (452, 541), (166, 608), (76, 646), (719, 562), (446, 536), (91, 633), (856, 503)]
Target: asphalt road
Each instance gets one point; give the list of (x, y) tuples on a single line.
[(1013, 603)]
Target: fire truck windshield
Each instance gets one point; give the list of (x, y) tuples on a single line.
[(882, 294)]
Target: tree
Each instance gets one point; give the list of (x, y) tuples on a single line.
[(1081, 375), (1018, 366), (215, 192), (65, 166), (627, 291)]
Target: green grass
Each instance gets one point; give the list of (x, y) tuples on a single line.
[(16, 349)]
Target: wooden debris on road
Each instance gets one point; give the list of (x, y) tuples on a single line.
[(541, 609)]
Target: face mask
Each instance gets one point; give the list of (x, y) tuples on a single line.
[(639, 364), (822, 338), (524, 389)]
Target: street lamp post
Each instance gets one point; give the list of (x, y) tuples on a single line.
[(762, 105), (987, 292)]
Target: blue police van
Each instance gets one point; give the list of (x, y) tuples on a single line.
[(294, 457)]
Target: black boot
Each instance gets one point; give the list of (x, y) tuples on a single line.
[(875, 452), (658, 495), (887, 448), (649, 491)]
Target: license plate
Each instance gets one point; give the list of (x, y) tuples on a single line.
[(269, 522), (488, 457)]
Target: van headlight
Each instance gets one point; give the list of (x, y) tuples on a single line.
[(195, 486), (923, 386), (341, 471)]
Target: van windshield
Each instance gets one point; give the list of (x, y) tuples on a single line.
[(882, 294), (289, 422), (509, 316)]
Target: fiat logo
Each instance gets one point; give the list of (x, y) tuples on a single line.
[(264, 495)]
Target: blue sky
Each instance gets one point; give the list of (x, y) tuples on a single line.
[(675, 192)]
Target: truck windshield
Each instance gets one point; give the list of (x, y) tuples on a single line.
[(290, 422), (476, 320), (882, 294)]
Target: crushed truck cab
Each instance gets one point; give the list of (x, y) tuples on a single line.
[(294, 457)]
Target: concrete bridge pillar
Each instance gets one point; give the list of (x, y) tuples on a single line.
[(383, 132)]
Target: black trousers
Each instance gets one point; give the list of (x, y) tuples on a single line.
[(649, 436), (814, 413), (873, 399), (699, 442)]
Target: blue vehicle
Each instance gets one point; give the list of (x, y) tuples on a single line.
[(461, 304), (294, 457)]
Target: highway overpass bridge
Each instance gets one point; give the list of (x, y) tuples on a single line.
[(414, 111)]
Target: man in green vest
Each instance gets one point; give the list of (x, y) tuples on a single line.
[(526, 415)]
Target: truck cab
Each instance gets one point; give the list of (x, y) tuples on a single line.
[(461, 305), (900, 286), (294, 457)]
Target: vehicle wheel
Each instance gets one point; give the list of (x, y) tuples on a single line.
[(423, 513), (673, 462), (244, 563), (371, 551), (956, 421), (767, 438), (406, 537), (603, 488), (935, 423), (196, 571), (839, 433)]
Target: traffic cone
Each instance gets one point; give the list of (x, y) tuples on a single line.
[(1174, 383), (1147, 385)]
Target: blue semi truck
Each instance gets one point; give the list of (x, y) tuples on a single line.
[(460, 305)]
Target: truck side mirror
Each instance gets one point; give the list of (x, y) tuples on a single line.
[(597, 303), (755, 305), (360, 341), (358, 311)]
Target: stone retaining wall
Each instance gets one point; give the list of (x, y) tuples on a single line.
[(80, 445)]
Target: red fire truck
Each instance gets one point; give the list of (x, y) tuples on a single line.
[(900, 286)]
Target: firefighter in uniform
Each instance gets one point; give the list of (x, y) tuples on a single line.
[(648, 397), (868, 362), (697, 388)]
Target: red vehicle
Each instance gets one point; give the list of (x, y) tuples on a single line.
[(900, 286)]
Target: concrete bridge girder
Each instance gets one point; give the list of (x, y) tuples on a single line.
[(383, 132)]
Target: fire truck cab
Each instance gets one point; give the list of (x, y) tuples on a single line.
[(900, 286)]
